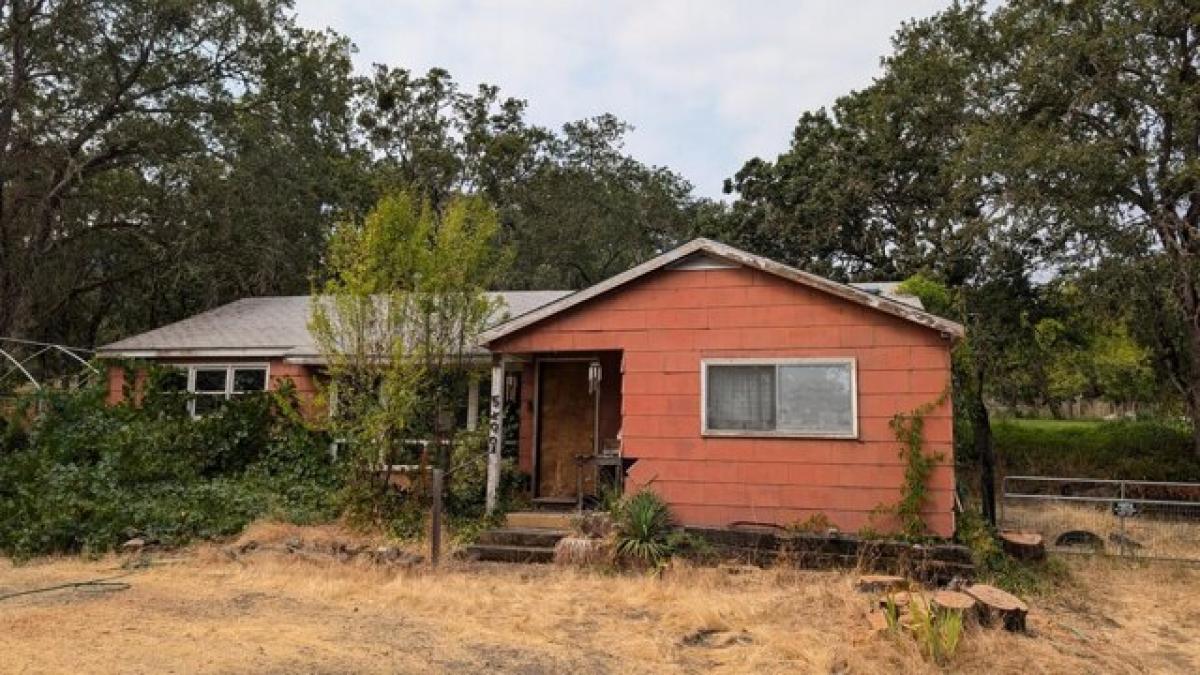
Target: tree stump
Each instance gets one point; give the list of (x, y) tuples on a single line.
[(997, 605), (906, 601), (880, 583), (1023, 545), (953, 600)]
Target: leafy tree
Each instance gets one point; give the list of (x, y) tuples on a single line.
[(1098, 133), (397, 316), (157, 158), (573, 206)]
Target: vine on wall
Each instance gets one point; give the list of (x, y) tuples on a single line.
[(918, 467)]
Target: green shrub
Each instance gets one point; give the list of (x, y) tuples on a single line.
[(1131, 450), (994, 566), (466, 485), (83, 476), (938, 632), (644, 529)]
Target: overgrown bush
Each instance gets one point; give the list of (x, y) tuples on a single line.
[(466, 484), (1131, 450), (85, 476), (994, 566)]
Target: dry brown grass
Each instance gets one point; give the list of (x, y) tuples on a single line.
[(1158, 536), (270, 612)]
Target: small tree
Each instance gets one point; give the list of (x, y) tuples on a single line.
[(402, 303)]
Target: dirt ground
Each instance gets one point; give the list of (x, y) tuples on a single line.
[(270, 611)]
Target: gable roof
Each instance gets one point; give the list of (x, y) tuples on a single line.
[(873, 296), (265, 327)]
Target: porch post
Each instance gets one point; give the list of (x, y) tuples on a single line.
[(473, 402), (495, 433)]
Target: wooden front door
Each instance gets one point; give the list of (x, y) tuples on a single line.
[(566, 414)]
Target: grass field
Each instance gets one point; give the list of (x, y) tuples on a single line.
[(1156, 450), (199, 611), (1054, 425)]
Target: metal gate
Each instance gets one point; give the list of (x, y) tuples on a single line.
[(1137, 519)]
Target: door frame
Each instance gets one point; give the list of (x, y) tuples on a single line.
[(537, 409)]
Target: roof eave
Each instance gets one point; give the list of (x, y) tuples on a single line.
[(947, 328), (195, 353)]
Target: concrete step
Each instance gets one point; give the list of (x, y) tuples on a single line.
[(541, 520), (521, 536), (511, 554)]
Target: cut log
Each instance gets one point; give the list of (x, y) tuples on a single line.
[(905, 599), (997, 605), (1023, 545), (953, 600), (880, 583)]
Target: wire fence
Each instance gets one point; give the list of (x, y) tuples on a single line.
[(1136, 519)]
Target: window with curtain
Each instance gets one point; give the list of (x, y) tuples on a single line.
[(787, 397)]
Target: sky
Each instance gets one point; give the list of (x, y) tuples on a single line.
[(707, 84)]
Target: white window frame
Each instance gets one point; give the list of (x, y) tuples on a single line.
[(779, 433), (229, 368)]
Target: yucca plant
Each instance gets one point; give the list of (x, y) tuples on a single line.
[(644, 526)]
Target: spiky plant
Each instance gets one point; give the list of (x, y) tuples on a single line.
[(644, 526)]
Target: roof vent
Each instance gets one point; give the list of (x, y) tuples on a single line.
[(701, 261)]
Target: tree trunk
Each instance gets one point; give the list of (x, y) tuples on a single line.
[(1193, 390), (996, 605), (982, 428)]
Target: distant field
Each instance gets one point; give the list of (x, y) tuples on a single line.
[(1126, 449), (269, 611), (1054, 425)]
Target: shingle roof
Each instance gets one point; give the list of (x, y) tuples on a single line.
[(264, 327), (278, 326)]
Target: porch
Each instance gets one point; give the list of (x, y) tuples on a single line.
[(569, 426)]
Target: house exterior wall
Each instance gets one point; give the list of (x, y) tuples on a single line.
[(279, 371), (668, 321)]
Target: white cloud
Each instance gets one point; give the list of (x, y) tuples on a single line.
[(708, 84)]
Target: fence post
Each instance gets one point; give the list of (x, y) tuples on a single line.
[(435, 534), (1000, 503), (1125, 549)]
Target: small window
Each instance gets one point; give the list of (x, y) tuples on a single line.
[(249, 379), (211, 385), (209, 381), (785, 397)]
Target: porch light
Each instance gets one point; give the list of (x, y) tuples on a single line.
[(594, 375)]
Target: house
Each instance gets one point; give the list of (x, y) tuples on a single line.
[(740, 389)]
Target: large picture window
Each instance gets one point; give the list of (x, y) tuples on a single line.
[(780, 397), (211, 385)]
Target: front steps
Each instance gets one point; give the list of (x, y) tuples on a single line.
[(527, 537), (542, 520)]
